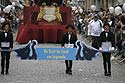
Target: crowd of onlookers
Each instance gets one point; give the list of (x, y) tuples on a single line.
[(12, 18), (83, 21)]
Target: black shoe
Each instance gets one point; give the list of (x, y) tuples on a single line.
[(67, 71), (7, 72), (105, 73), (109, 74), (2, 72), (70, 73)]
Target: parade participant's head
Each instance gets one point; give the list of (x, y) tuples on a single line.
[(95, 17), (70, 28), (106, 26), (6, 27)]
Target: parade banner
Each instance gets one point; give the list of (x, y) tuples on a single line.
[(56, 53), (81, 52)]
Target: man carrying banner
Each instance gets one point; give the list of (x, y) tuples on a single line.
[(68, 41), (107, 44), (6, 45)]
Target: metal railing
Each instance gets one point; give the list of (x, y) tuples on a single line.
[(2, 6), (2, 3)]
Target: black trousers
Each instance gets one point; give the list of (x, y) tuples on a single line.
[(68, 65), (95, 42), (5, 58), (107, 62)]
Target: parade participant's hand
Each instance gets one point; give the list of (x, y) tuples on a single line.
[(100, 48), (10, 49), (112, 48)]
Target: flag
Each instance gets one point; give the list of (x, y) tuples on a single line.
[(23, 53), (85, 52), (27, 52)]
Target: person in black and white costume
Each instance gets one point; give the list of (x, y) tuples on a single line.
[(6, 45), (68, 41), (107, 44)]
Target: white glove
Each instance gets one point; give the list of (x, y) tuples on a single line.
[(100, 48), (62, 47), (112, 48)]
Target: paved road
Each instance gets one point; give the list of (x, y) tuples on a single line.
[(54, 71)]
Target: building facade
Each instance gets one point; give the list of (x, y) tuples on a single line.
[(4, 2)]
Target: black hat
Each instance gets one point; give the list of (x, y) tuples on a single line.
[(105, 24), (69, 25), (95, 15)]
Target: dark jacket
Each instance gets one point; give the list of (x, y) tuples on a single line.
[(65, 39), (9, 39), (109, 38)]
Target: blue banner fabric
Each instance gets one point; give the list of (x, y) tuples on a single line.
[(81, 52), (56, 53)]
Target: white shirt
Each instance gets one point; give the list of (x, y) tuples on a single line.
[(69, 36), (5, 34), (94, 28), (106, 34)]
